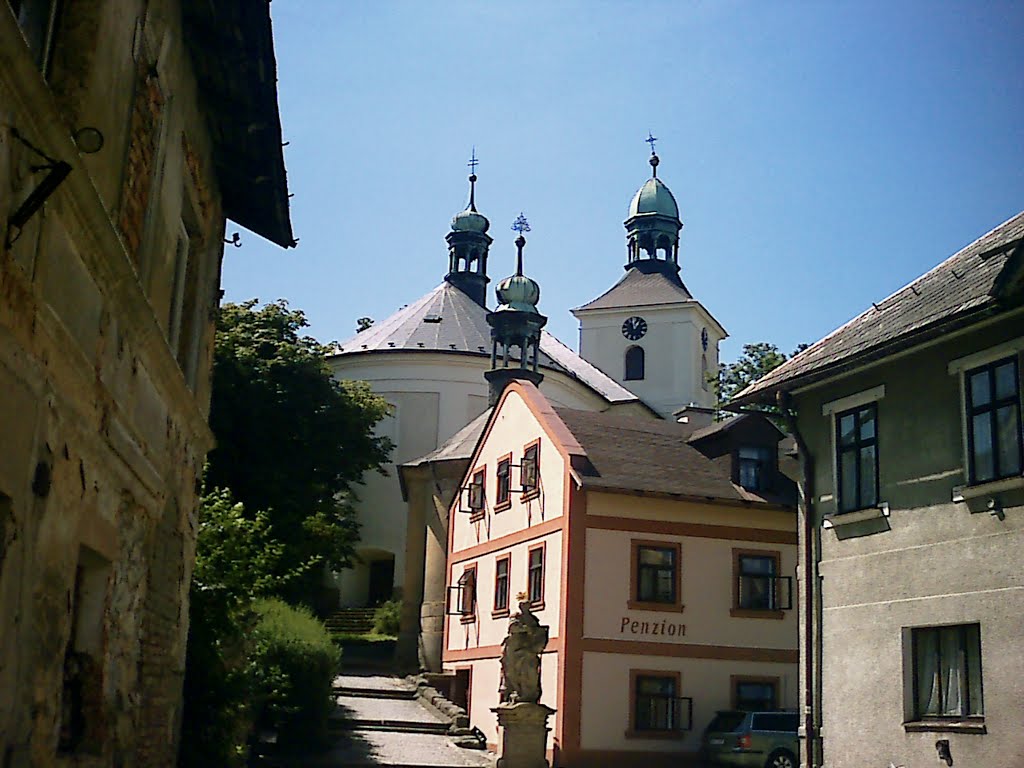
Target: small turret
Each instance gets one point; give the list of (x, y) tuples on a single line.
[(468, 244), (515, 325)]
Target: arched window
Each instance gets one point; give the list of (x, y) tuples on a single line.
[(634, 363)]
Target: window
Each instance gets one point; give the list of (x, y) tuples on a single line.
[(857, 458), (754, 467), (475, 495), (502, 497), (38, 20), (535, 591), (757, 591), (531, 470), (502, 566), (467, 594), (656, 575), (634, 364), (947, 672), (993, 421), (656, 709), (754, 694)]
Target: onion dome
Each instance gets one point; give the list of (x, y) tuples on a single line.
[(654, 197), (518, 292), (470, 220)]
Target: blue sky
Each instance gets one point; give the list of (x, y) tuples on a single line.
[(822, 154)]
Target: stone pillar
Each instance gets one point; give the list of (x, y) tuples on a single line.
[(417, 482), (444, 486), (524, 734)]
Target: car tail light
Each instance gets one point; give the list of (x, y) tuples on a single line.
[(744, 741)]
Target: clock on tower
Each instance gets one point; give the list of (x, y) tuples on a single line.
[(634, 328)]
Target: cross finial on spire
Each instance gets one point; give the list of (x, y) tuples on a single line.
[(521, 225), (651, 138), (473, 162)]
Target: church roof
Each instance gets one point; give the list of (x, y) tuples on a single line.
[(447, 320), (637, 289)]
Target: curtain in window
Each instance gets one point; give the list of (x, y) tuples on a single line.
[(926, 654)]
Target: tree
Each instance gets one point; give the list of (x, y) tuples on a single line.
[(292, 441), (756, 361)]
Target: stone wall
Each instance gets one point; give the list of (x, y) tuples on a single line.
[(104, 384)]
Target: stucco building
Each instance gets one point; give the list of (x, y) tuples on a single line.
[(909, 423), (128, 132), (661, 559)]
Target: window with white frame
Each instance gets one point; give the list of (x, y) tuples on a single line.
[(857, 458), (992, 402)]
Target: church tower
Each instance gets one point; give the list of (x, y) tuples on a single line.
[(468, 243), (515, 325), (647, 331)]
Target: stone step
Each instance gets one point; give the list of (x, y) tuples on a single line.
[(373, 693), (396, 726)]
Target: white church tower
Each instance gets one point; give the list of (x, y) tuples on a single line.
[(647, 331)]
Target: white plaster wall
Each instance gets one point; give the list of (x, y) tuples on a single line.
[(707, 594), (511, 431), (605, 715), (436, 394), (484, 682), (488, 630), (672, 351)]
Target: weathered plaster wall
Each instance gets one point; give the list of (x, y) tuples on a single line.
[(104, 375), (931, 562)]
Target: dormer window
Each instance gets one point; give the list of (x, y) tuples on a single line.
[(754, 467)]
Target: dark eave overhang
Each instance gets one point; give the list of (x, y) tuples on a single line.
[(922, 335), (231, 45)]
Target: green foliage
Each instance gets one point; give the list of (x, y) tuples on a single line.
[(387, 617), (294, 663), (756, 361), (291, 439), (237, 559)]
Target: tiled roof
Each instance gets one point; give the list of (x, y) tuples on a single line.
[(649, 456), (447, 320), (956, 289), (459, 446), (637, 289)]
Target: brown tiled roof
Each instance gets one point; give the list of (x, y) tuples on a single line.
[(636, 289), (635, 454), (957, 290)]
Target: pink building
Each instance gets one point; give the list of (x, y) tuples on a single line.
[(661, 556)]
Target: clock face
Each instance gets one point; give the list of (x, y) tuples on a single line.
[(634, 328)]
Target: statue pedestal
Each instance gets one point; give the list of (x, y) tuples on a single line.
[(524, 734)]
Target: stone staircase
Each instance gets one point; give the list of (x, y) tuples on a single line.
[(357, 621)]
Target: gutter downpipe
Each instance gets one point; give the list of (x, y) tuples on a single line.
[(809, 592)]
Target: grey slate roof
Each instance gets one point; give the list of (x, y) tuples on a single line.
[(636, 289), (629, 453), (961, 287), (447, 320), (459, 446)]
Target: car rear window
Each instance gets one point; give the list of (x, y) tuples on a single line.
[(726, 722), (775, 721)]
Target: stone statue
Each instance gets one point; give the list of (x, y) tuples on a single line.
[(520, 657)]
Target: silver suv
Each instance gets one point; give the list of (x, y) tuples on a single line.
[(752, 739)]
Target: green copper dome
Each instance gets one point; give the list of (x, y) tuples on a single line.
[(470, 221), (518, 293), (654, 197)]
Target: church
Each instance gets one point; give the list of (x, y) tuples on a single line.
[(646, 347)]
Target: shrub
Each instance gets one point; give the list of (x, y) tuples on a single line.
[(295, 663), (387, 617)]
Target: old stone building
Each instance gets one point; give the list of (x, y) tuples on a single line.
[(129, 131)]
